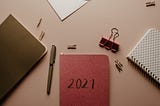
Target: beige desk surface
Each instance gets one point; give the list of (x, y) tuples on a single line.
[(85, 28)]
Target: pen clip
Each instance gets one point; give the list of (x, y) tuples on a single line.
[(53, 55)]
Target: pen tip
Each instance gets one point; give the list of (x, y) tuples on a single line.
[(48, 92)]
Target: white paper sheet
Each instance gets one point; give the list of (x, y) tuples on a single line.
[(64, 8)]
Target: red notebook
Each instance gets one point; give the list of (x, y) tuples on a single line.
[(84, 80)]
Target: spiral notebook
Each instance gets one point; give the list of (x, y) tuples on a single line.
[(146, 54)]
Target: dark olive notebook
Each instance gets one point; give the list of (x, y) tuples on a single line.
[(19, 52)]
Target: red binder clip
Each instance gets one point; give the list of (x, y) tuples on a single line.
[(108, 44)]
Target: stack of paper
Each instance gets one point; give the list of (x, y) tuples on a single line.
[(65, 8)]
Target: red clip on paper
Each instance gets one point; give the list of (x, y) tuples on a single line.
[(108, 44)]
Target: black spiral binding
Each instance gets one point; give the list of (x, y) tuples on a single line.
[(145, 71)]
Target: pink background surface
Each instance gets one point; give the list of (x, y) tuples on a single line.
[(85, 28)]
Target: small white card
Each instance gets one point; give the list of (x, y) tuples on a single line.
[(65, 8)]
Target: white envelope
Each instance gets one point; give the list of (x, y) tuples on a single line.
[(65, 8)]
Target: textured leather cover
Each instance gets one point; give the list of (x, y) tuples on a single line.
[(84, 80), (19, 51)]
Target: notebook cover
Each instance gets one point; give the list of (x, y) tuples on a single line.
[(146, 54), (19, 51), (84, 80)]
